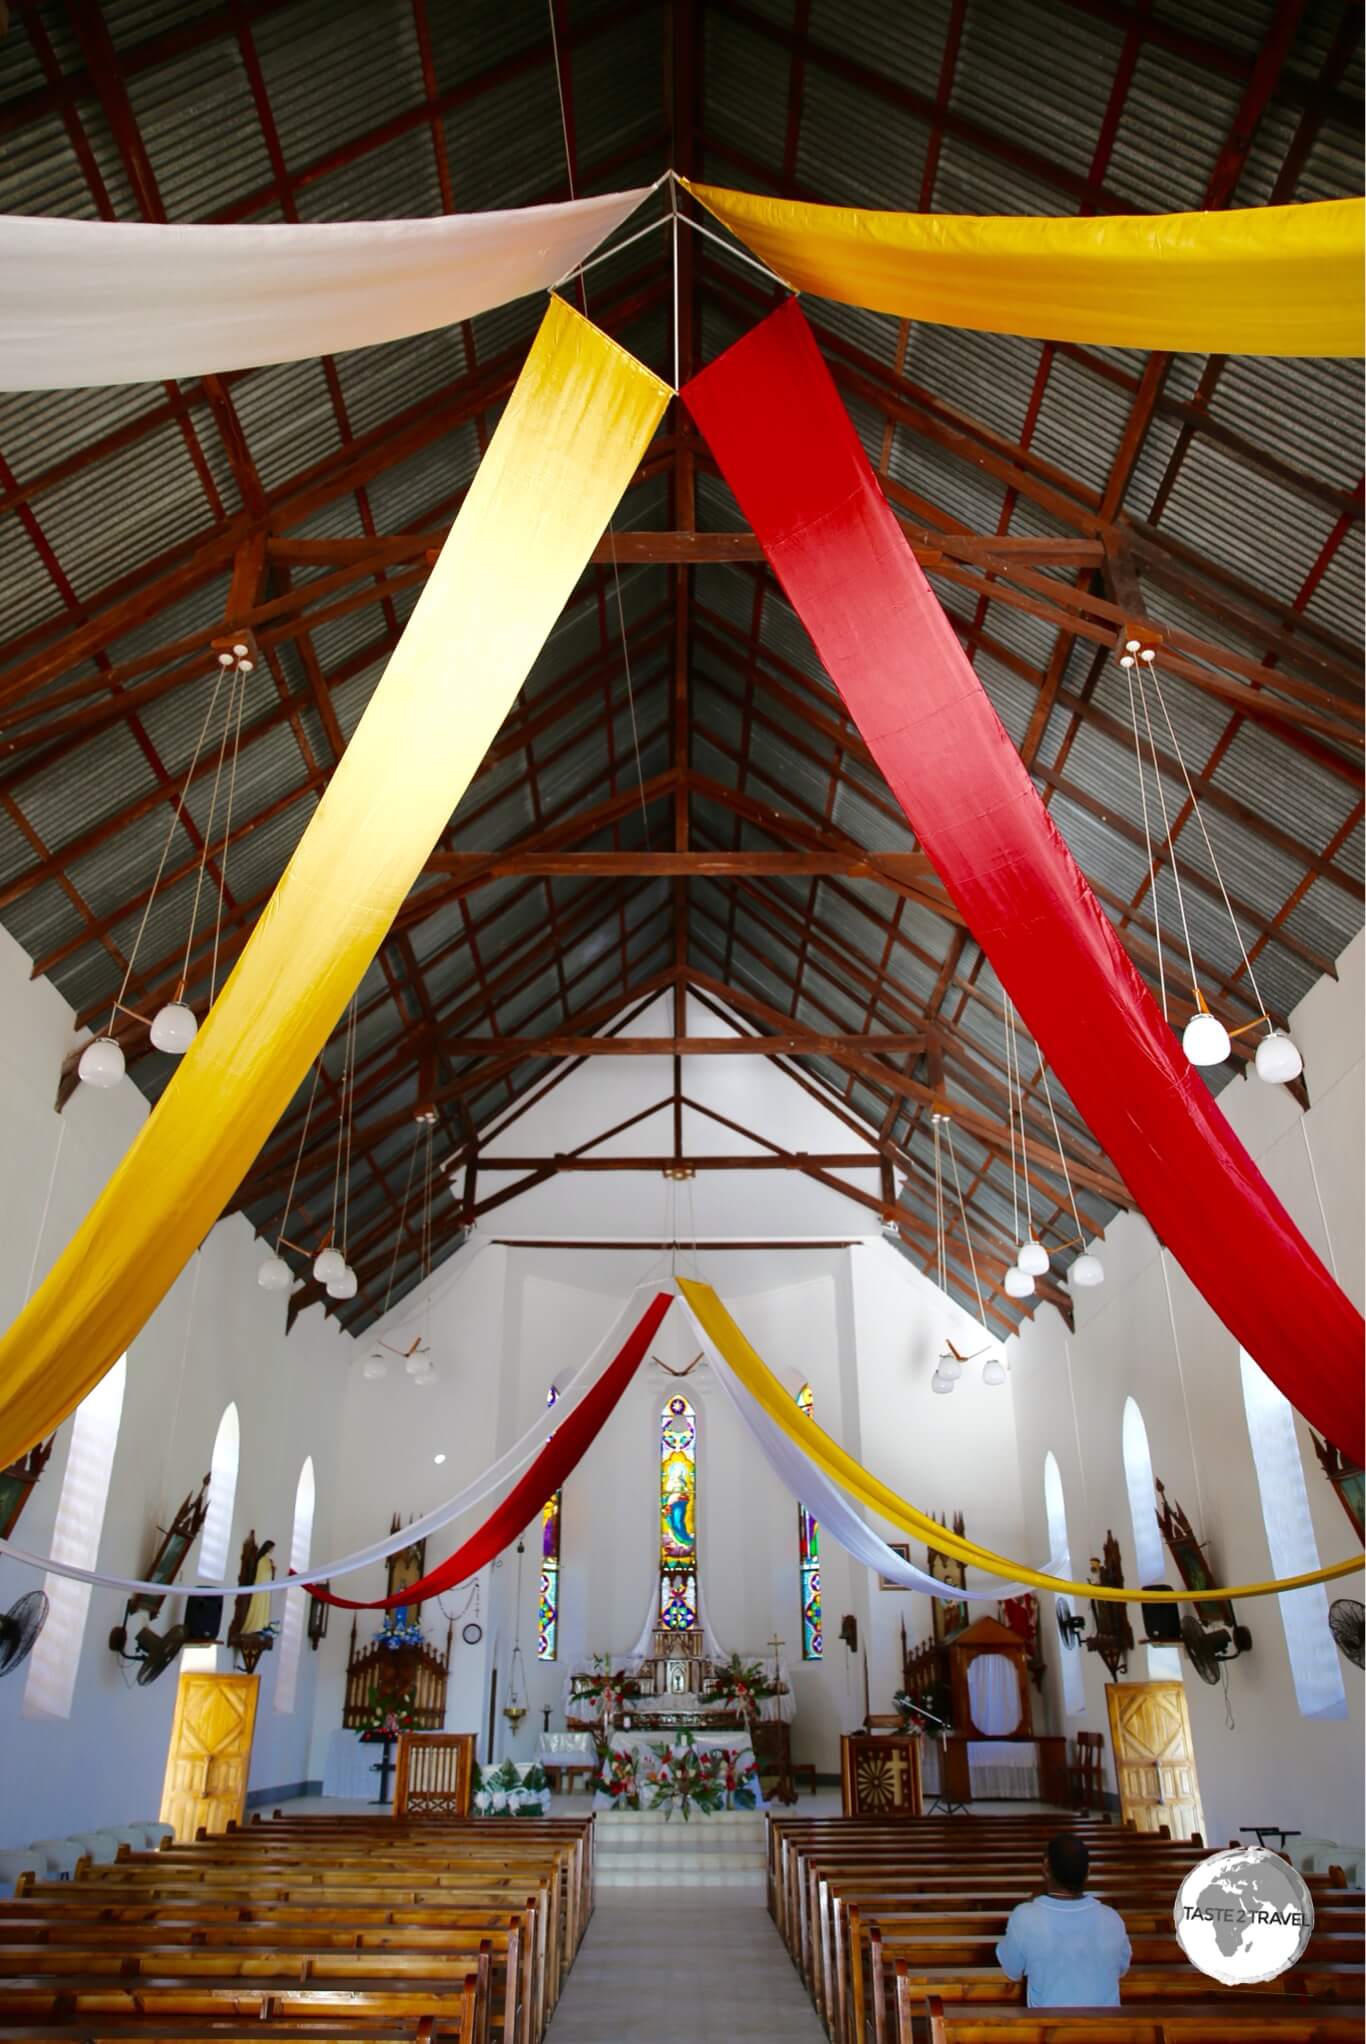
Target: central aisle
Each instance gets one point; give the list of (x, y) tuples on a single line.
[(689, 1965)]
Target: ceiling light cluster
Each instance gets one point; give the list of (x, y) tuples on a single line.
[(1205, 1039), (949, 1369), (1033, 1260), (173, 1027)]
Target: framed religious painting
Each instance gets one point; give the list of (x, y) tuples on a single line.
[(1188, 1554), (1348, 1479), (902, 1549), (406, 1568), (17, 1482), (176, 1541)]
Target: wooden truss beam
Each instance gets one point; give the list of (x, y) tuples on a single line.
[(679, 1046)]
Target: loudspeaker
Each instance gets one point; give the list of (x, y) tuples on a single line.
[(203, 1616), (1161, 1622)]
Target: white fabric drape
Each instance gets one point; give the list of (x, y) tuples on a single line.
[(496, 1477), (993, 1694), (813, 1488), (99, 302)]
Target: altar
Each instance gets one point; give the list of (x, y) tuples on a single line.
[(690, 1773)]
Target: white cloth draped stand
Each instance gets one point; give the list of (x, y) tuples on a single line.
[(349, 1766), (999, 1770)]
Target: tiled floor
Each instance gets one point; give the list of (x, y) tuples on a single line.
[(688, 1966)]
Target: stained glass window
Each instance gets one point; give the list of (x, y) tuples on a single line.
[(678, 1516), (548, 1612), (809, 1557)]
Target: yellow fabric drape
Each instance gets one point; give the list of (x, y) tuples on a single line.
[(850, 1475), (575, 428), (1264, 280)]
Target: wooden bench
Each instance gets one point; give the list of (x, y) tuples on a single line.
[(1178, 2022)]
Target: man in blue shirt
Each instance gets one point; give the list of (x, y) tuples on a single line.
[(1073, 1949)]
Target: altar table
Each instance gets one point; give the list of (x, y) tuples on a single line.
[(634, 1762)]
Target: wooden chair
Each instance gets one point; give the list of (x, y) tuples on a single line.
[(435, 1772), (1086, 1772)]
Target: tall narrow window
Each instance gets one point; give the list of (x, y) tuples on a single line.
[(216, 1539), (1164, 1663), (678, 1517), (1294, 1550), (548, 1613), (1060, 1560), (51, 1680), (300, 1546), (809, 1561)]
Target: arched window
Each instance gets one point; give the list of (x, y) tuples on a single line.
[(51, 1680), (300, 1546), (1164, 1663), (1060, 1559), (215, 1541), (678, 1516), (809, 1562), (548, 1611), (1294, 1550)]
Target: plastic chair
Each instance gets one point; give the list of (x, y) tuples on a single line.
[(59, 1856), (13, 1864)]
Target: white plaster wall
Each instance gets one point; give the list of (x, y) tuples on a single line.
[(1271, 1764), (104, 1764)]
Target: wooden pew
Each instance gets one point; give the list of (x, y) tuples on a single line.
[(1176, 2022)]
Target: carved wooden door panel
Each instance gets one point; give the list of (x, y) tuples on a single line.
[(1150, 1736), (210, 1753)]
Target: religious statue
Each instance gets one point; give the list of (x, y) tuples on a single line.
[(251, 1631)]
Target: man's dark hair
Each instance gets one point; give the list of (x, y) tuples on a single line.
[(1068, 1861)]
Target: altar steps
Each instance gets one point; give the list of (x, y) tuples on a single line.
[(643, 1849)]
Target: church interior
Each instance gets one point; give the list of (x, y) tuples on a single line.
[(682, 998)]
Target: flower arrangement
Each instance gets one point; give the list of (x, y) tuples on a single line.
[(685, 1778), (398, 1630), (616, 1777), (387, 1716), (516, 1789), (743, 1686), (606, 1689)]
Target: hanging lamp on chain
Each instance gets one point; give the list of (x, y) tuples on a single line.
[(376, 1363), (1019, 1278), (330, 1266), (1205, 1039), (274, 1274), (174, 1026)]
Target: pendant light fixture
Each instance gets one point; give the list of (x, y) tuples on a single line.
[(948, 1369), (993, 1370), (424, 1375), (273, 1273), (330, 1266), (1031, 1259), (172, 1029), (1086, 1270), (1205, 1039), (376, 1364)]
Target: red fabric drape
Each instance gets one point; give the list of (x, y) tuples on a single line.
[(787, 448), (562, 1452)]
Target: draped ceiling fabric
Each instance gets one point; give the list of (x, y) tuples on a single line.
[(1261, 280), (723, 1337), (99, 301), (561, 1454), (787, 448), (575, 428), (492, 1479)]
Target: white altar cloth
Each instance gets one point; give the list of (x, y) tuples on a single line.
[(349, 1767)]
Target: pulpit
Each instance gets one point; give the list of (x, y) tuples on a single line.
[(991, 1751), (880, 1774)]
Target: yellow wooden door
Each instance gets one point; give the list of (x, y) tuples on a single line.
[(210, 1753), (1150, 1735)]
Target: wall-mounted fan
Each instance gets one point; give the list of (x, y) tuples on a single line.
[(1071, 1625), (155, 1650), (19, 1628), (1347, 1623), (1208, 1647)]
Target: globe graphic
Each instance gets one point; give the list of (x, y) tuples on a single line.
[(1243, 1916)]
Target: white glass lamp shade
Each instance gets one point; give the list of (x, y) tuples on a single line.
[(101, 1063), (426, 1378), (950, 1367), (174, 1028), (1278, 1059), (1033, 1257), (275, 1275), (994, 1371), (345, 1285), (940, 1384), (1087, 1270), (417, 1366), (1205, 1039), (1019, 1283), (374, 1368), (328, 1266)]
